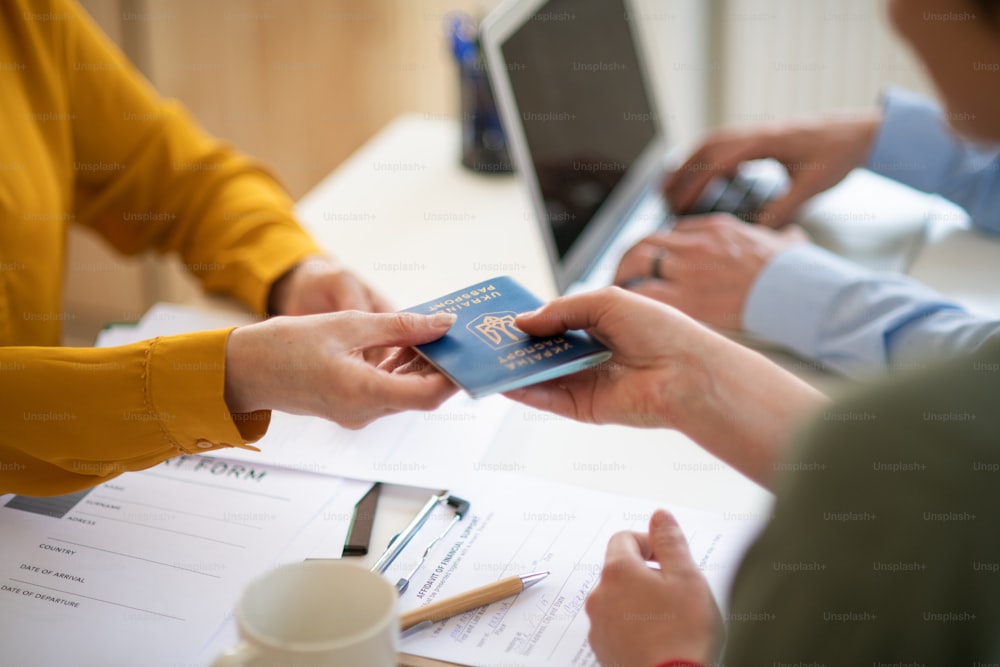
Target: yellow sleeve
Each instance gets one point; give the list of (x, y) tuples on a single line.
[(147, 176), (76, 417)]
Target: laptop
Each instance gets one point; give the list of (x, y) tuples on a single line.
[(585, 134)]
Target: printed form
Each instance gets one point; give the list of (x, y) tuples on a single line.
[(518, 526), (149, 565)]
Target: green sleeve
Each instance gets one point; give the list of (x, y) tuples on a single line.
[(884, 548)]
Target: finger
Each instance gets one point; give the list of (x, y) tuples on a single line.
[(699, 224), (416, 365), (369, 330), (580, 311), (711, 160), (640, 263), (669, 546), (555, 396), (400, 356), (410, 391), (627, 546), (687, 183), (375, 355)]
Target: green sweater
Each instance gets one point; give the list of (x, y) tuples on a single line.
[(884, 548)]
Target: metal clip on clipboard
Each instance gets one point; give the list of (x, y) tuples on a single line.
[(401, 539)]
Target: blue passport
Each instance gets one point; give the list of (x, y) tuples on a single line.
[(485, 353)]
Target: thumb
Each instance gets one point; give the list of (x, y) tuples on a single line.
[(397, 329), (670, 548), (579, 311)]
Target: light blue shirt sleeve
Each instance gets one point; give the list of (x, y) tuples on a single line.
[(856, 321), (916, 146), (861, 322)]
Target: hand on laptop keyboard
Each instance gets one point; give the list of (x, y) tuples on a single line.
[(743, 195), (811, 156)]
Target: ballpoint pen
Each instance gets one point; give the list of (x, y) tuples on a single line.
[(477, 597)]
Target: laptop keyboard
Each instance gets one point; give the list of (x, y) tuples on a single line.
[(743, 195)]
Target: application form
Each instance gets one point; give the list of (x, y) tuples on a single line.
[(143, 569)]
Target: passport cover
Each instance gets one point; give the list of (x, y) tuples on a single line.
[(484, 353)]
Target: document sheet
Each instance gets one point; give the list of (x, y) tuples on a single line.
[(145, 568), (518, 526)]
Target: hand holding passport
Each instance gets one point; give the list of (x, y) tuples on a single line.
[(485, 353)]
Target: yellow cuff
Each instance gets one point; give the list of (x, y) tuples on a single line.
[(185, 379)]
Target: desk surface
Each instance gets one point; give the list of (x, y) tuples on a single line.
[(410, 219)]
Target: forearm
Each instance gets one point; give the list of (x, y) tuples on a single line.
[(747, 409)]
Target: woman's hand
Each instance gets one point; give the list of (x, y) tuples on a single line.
[(315, 365), (320, 285)]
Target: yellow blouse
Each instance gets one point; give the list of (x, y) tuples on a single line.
[(86, 140)]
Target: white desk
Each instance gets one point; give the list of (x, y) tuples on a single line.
[(410, 219)]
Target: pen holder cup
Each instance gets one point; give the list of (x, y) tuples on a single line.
[(484, 144)]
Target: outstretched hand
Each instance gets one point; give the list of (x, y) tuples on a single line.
[(655, 369), (315, 365), (669, 371)]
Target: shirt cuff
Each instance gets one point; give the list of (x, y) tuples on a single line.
[(791, 298), (897, 155), (185, 381)]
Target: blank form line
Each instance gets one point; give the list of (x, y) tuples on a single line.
[(561, 588), (148, 560), (117, 604), (166, 530), (170, 509), (214, 486)]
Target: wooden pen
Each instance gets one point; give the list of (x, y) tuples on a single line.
[(477, 597)]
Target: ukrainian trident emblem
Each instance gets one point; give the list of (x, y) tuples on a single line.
[(496, 329)]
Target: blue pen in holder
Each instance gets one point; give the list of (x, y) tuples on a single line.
[(484, 145)]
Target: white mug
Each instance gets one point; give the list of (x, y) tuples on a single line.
[(321, 613)]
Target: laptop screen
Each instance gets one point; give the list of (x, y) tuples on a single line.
[(576, 81)]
